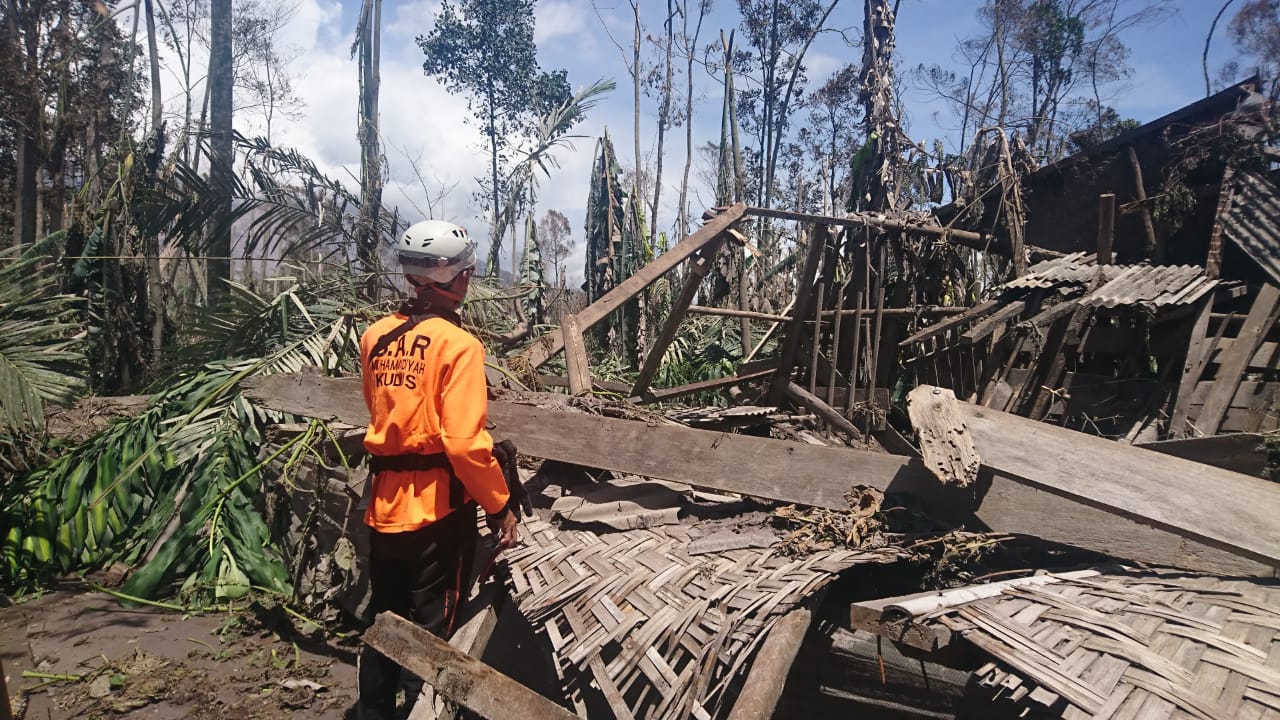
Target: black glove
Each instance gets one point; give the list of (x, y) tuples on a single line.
[(505, 453)]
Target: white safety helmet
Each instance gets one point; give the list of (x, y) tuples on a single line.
[(436, 250)]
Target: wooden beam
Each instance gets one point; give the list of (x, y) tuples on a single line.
[(577, 366), (744, 375), (697, 271), (974, 313), (828, 414), (1226, 191), (1165, 492), (1244, 453), (769, 670), (977, 241), (548, 345), (925, 311), (760, 467), (608, 386), (1262, 316), (472, 638), (458, 676), (945, 442)]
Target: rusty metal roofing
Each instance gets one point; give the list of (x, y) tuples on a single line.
[(1152, 285), (1253, 222)]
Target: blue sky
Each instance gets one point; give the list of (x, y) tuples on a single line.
[(421, 121)]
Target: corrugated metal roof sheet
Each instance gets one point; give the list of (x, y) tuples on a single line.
[(1253, 222), (1154, 285)]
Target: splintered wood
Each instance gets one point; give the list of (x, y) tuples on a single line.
[(945, 442), (659, 632)]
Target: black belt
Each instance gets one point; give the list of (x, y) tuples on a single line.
[(411, 462)]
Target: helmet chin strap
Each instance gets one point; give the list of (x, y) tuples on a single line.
[(428, 291)]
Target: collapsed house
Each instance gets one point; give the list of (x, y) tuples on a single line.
[(1099, 418)]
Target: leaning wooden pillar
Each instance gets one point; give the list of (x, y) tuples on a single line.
[(697, 272), (548, 345), (1155, 248)]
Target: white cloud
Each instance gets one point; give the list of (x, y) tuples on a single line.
[(411, 19), (553, 18)]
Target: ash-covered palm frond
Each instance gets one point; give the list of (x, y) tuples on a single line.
[(41, 359)]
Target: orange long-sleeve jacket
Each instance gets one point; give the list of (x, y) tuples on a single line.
[(426, 394)]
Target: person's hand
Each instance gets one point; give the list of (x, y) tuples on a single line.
[(507, 533)]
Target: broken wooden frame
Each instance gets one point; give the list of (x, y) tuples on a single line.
[(1041, 480)]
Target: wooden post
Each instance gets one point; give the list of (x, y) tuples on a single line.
[(576, 363), (551, 343), (817, 335), (1155, 248), (1106, 226), (1197, 350), (835, 342), (873, 370), (6, 710), (864, 295), (678, 309), (768, 676), (458, 676), (804, 298)]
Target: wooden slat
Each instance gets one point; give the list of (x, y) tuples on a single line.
[(828, 414), (744, 375), (760, 467), (1244, 453), (456, 675), (550, 344), (791, 340), (1263, 315), (974, 313), (989, 325), (1161, 491)]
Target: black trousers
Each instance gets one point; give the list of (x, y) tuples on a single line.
[(422, 575)]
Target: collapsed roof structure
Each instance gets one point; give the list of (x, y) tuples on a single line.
[(1104, 406)]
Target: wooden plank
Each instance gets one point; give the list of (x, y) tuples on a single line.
[(1264, 358), (974, 313), (1071, 339), (945, 443), (576, 364), (1244, 453), (736, 313), (456, 675), (608, 386), (697, 272), (772, 664), (1262, 316), (828, 414), (472, 638), (983, 328), (1158, 490), (760, 467), (967, 238), (548, 345)]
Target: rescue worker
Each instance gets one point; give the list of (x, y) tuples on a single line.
[(431, 457)]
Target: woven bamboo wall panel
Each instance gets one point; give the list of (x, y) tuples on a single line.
[(659, 632), (1143, 646)]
